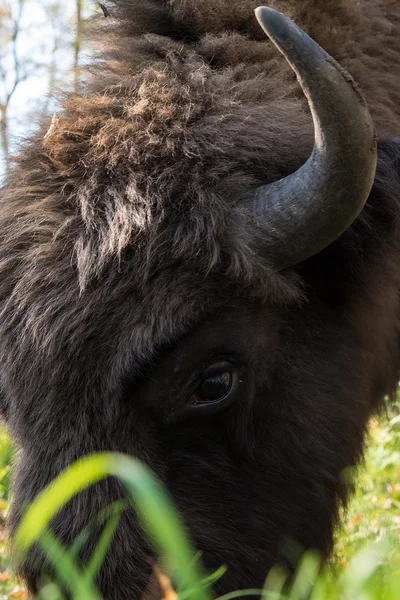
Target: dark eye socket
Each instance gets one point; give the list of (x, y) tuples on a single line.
[(214, 388), (217, 389)]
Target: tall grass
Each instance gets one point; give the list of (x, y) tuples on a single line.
[(365, 578), (359, 573), (154, 510)]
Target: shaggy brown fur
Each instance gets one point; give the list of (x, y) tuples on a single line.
[(121, 252)]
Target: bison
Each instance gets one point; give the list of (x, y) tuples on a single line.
[(194, 274)]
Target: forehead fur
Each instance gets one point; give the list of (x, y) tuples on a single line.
[(138, 180), (156, 153), (188, 106)]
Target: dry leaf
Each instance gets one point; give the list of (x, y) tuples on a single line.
[(165, 585)]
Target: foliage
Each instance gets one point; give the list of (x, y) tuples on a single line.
[(359, 572), (40, 49), (374, 513)]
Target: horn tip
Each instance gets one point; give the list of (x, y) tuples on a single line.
[(267, 17), (260, 10), (279, 28)]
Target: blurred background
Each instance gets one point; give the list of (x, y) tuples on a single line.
[(40, 43)]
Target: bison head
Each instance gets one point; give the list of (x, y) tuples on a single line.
[(153, 301)]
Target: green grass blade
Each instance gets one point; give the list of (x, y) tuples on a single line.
[(99, 553), (305, 577), (66, 569), (275, 582), (49, 592), (84, 535), (152, 504)]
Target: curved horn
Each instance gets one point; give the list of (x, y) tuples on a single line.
[(296, 217)]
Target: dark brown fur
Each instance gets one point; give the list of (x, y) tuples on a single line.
[(121, 252)]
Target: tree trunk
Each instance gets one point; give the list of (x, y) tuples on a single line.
[(4, 138), (77, 43)]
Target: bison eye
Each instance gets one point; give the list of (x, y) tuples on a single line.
[(217, 389)]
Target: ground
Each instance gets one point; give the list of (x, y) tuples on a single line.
[(374, 513)]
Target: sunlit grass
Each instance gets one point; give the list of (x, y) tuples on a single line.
[(374, 513)]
